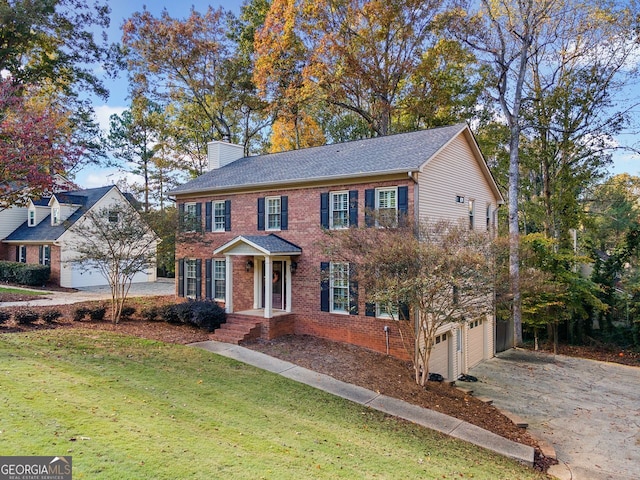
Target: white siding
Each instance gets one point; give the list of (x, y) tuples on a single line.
[(10, 219), (440, 357), (220, 154), (454, 172)]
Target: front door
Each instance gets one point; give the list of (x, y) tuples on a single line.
[(277, 285)]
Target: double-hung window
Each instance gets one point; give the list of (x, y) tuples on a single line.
[(21, 253), (32, 218), (190, 216), (472, 207), (55, 216), (339, 287), (190, 278), (339, 204), (387, 205), (219, 279), (45, 255), (219, 216), (384, 310), (273, 207)]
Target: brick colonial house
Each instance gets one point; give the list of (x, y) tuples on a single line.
[(254, 218), (42, 232)]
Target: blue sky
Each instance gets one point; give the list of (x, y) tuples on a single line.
[(117, 102)]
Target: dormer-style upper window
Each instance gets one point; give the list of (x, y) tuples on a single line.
[(32, 217), (55, 216)]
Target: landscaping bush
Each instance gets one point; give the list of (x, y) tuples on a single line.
[(152, 314), (24, 273), (127, 312), (169, 313), (183, 311), (80, 313), (25, 316), (51, 316), (97, 314), (4, 317), (207, 314)]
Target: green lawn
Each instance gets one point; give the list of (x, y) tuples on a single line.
[(21, 291), (127, 408)]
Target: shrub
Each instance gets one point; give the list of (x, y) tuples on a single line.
[(4, 317), (127, 312), (169, 313), (24, 273), (97, 314), (152, 314), (80, 313), (51, 316), (25, 316), (207, 314), (183, 310)]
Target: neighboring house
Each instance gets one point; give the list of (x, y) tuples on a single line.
[(263, 217), (46, 235)]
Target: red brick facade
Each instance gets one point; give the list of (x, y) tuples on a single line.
[(305, 231)]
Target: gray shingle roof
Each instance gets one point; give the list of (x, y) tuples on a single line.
[(389, 154), (44, 231), (273, 243)]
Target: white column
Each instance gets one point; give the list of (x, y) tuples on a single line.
[(287, 275), (257, 278), (228, 284), (268, 288)]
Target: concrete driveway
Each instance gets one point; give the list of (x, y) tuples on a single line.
[(162, 286), (588, 410)]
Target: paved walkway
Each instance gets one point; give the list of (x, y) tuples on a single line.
[(588, 410), (398, 408), (163, 286)]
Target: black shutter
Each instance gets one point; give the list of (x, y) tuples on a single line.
[(261, 213), (208, 282), (208, 223), (369, 206), (41, 254), (227, 215), (181, 277), (353, 291), (370, 309), (198, 225), (403, 200), (353, 208), (284, 212), (17, 253), (324, 286), (324, 210), (181, 217), (198, 278)]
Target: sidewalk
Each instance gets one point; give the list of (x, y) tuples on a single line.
[(422, 416)]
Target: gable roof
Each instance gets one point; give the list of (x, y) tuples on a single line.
[(44, 231), (399, 153), (263, 244)]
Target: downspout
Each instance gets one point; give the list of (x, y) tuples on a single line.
[(386, 333)]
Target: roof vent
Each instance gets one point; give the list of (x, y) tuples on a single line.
[(223, 153)]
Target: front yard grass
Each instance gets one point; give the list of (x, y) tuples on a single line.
[(21, 291), (127, 408)]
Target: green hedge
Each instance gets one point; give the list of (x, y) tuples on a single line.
[(31, 274)]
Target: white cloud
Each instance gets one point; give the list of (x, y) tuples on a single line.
[(94, 178), (104, 112)]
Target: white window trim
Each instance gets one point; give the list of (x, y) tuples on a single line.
[(214, 227), (381, 314), (187, 263), (32, 217), (46, 257), (22, 255), (472, 214), (266, 214), (332, 288), (55, 215), (377, 199), (191, 220), (223, 278), (331, 210)]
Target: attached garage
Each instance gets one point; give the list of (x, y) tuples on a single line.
[(440, 354), (475, 341)]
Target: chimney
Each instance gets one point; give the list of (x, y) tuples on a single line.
[(220, 154)]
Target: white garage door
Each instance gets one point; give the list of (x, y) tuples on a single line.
[(475, 336), (439, 361)]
